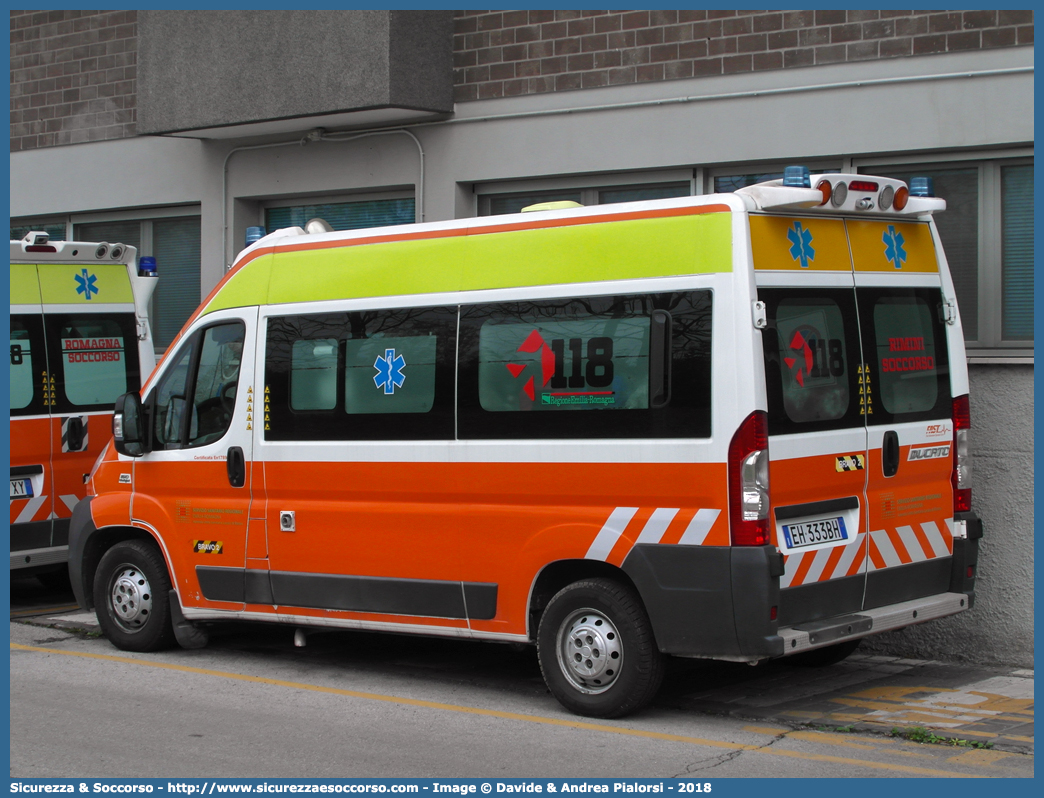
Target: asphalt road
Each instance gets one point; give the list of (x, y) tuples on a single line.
[(354, 704)]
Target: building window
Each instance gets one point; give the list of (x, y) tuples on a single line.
[(1017, 252), (725, 181), (344, 215), (987, 233), (513, 202), (175, 243), (55, 229)]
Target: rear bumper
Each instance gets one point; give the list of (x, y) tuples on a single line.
[(829, 631), (721, 602), (714, 602)]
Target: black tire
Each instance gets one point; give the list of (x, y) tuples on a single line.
[(597, 650), (131, 597), (826, 656)]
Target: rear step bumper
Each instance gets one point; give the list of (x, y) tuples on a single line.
[(817, 634)]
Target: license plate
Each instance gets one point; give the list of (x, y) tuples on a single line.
[(21, 489), (815, 533)]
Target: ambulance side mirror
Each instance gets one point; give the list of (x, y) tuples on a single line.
[(127, 428)]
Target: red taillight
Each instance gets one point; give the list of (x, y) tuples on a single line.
[(40, 248), (862, 185), (960, 478), (749, 483)]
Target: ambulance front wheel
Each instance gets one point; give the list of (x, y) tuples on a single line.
[(131, 597), (597, 651)]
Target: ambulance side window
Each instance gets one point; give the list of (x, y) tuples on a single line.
[(98, 357), (592, 367), (167, 400), (206, 368), (813, 371), (216, 382), (361, 375), (905, 341), (28, 366)]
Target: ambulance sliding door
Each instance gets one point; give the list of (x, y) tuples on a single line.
[(816, 405), (358, 409), (909, 424)]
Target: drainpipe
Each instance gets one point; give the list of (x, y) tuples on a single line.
[(313, 136)]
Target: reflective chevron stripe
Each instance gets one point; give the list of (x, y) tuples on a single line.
[(652, 531)]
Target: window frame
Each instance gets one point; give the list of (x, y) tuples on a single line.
[(814, 166), (263, 205), (438, 423), (990, 346), (192, 346), (39, 362), (588, 186), (132, 366), (670, 419)]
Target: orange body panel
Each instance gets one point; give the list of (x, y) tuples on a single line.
[(187, 502), (810, 479), (497, 523), (910, 513), (30, 446)]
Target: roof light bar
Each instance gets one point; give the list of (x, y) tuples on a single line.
[(922, 187), (797, 177)]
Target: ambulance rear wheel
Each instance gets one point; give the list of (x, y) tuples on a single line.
[(131, 589), (597, 651)]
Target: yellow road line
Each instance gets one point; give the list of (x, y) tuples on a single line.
[(44, 611), (492, 713)]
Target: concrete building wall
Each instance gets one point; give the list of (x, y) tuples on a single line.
[(202, 69), (999, 629)]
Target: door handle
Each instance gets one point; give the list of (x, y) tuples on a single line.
[(235, 462), (890, 453), (74, 434)]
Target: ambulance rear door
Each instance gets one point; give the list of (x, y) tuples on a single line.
[(31, 399), (817, 435), (92, 356), (909, 409)]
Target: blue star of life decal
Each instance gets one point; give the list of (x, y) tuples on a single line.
[(894, 252), (802, 250), (85, 284), (389, 371)]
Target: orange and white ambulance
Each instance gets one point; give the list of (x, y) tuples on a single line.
[(726, 426), (80, 337)]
